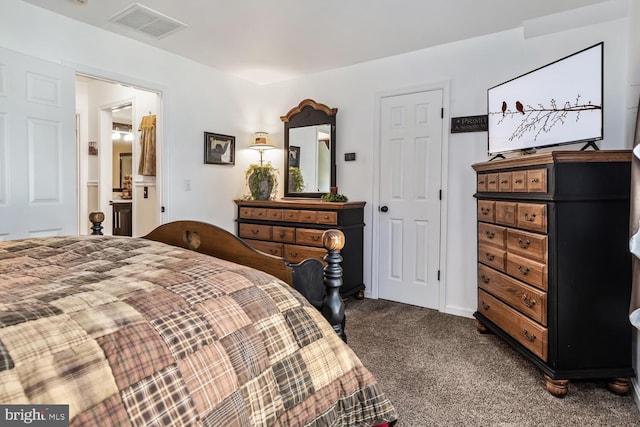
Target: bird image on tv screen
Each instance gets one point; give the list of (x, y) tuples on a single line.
[(559, 103)]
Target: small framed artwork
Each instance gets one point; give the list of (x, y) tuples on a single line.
[(219, 149), (294, 156)]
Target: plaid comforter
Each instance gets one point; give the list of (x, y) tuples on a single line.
[(134, 332)]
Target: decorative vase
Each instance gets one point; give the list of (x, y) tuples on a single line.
[(260, 188)]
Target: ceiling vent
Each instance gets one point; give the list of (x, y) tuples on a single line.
[(148, 21)]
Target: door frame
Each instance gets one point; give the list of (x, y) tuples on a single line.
[(162, 92), (375, 196)]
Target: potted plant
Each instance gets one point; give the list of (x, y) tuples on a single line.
[(296, 181), (262, 181), (334, 196), (331, 197)]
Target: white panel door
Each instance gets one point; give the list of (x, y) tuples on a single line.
[(38, 194), (409, 213)]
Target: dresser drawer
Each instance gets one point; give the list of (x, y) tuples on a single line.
[(328, 218), (493, 182), (529, 245), (527, 270), (506, 213), (290, 215), (309, 217), (274, 214), (492, 234), (504, 181), (527, 332), (284, 234), (490, 255), (487, 210), (526, 299), (245, 212), (537, 181), (519, 181), (482, 182), (295, 253), (310, 237), (532, 216), (255, 231), (271, 248)]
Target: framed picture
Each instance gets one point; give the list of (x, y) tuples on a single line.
[(219, 149), (294, 156)]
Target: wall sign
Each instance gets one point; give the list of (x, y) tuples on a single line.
[(469, 124)]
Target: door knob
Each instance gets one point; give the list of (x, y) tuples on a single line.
[(384, 209)]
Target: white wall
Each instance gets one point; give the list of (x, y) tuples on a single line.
[(198, 99)]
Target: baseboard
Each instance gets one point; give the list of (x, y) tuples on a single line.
[(459, 311), (635, 389)]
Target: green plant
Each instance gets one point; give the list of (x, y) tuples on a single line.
[(296, 181), (329, 197), (262, 181)]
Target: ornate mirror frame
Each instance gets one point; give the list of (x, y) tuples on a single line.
[(309, 113)]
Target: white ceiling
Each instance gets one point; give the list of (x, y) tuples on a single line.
[(270, 40)]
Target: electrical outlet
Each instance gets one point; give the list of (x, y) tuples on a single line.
[(349, 157)]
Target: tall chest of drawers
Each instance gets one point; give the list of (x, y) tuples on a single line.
[(554, 269), (292, 229)]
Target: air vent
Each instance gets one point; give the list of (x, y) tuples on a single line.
[(148, 21)]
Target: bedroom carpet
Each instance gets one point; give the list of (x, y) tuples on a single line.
[(439, 371)]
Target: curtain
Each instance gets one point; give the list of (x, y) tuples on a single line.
[(634, 226), (147, 164)]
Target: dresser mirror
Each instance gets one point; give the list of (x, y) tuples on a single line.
[(310, 149)]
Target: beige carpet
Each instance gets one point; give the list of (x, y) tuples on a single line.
[(439, 371)]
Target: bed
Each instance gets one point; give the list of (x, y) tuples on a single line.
[(157, 331)]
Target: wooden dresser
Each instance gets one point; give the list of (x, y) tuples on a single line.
[(554, 269), (293, 229)]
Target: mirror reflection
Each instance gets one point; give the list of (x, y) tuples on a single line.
[(310, 146), (310, 159), (122, 139)]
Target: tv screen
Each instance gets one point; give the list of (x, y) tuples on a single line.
[(559, 103)]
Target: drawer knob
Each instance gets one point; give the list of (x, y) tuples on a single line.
[(315, 238), (490, 257), (529, 336), (534, 180), (493, 181), (524, 244), (490, 234), (484, 305), (523, 270), (518, 181), (283, 234), (255, 232), (528, 301), (528, 217), (504, 181), (485, 279), (485, 211)]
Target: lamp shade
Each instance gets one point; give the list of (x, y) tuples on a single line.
[(261, 141)]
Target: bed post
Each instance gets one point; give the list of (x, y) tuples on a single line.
[(332, 305), (96, 219)]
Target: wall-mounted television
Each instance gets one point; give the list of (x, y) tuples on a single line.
[(559, 103)]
